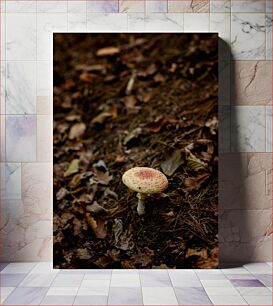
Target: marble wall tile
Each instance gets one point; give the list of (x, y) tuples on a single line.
[(44, 78), (252, 83), (44, 138), (136, 22), (44, 105), (2, 87), (220, 6), (171, 22), (248, 36), (196, 22), (268, 23), (37, 190), (59, 6), (20, 138), (102, 6), (3, 138), (243, 182), (47, 24), (245, 235), (77, 6), (249, 6), (220, 23), (20, 36), (20, 87), (77, 22), (224, 128), (131, 6), (100, 22), (268, 128), (248, 129), (3, 6), (188, 6), (156, 6), (12, 181), (3, 36), (269, 6), (21, 6)]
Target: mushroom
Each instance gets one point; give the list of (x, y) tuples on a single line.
[(144, 181)]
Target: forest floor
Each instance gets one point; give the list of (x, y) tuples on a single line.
[(126, 100)]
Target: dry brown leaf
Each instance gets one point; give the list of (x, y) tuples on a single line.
[(62, 192), (72, 168), (85, 67), (77, 130), (130, 101), (77, 225), (106, 51), (127, 264), (96, 210), (120, 159), (172, 164), (203, 258), (88, 77), (212, 124), (194, 183), (156, 125), (83, 254), (101, 118), (132, 135), (98, 226), (195, 164), (159, 78)]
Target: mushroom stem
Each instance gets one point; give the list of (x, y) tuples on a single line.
[(140, 204)]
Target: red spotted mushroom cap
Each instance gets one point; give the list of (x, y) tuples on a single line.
[(145, 180)]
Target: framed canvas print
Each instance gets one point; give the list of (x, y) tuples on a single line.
[(135, 150)]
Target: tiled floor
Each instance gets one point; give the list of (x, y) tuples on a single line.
[(39, 284)]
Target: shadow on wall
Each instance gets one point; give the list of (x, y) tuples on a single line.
[(238, 230)]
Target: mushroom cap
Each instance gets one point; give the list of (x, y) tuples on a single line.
[(145, 180)]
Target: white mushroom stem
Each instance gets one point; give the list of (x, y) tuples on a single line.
[(141, 204)]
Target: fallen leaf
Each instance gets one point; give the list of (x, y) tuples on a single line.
[(62, 192), (156, 125), (111, 193), (120, 159), (85, 67), (77, 130), (73, 117), (212, 124), (159, 78), (72, 168), (130, 101), (203, 258), (172, 164), (98, 226), (96, 210), (132, 135), (145, 258), (127, 264), (101, 118), (104, 261), (88, 77), (106, 51), (77, 225), (195, 164), (194, 183), (162, 266), (102, 178), (83, 254)]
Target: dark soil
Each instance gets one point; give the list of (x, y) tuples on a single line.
[(146, 100)]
